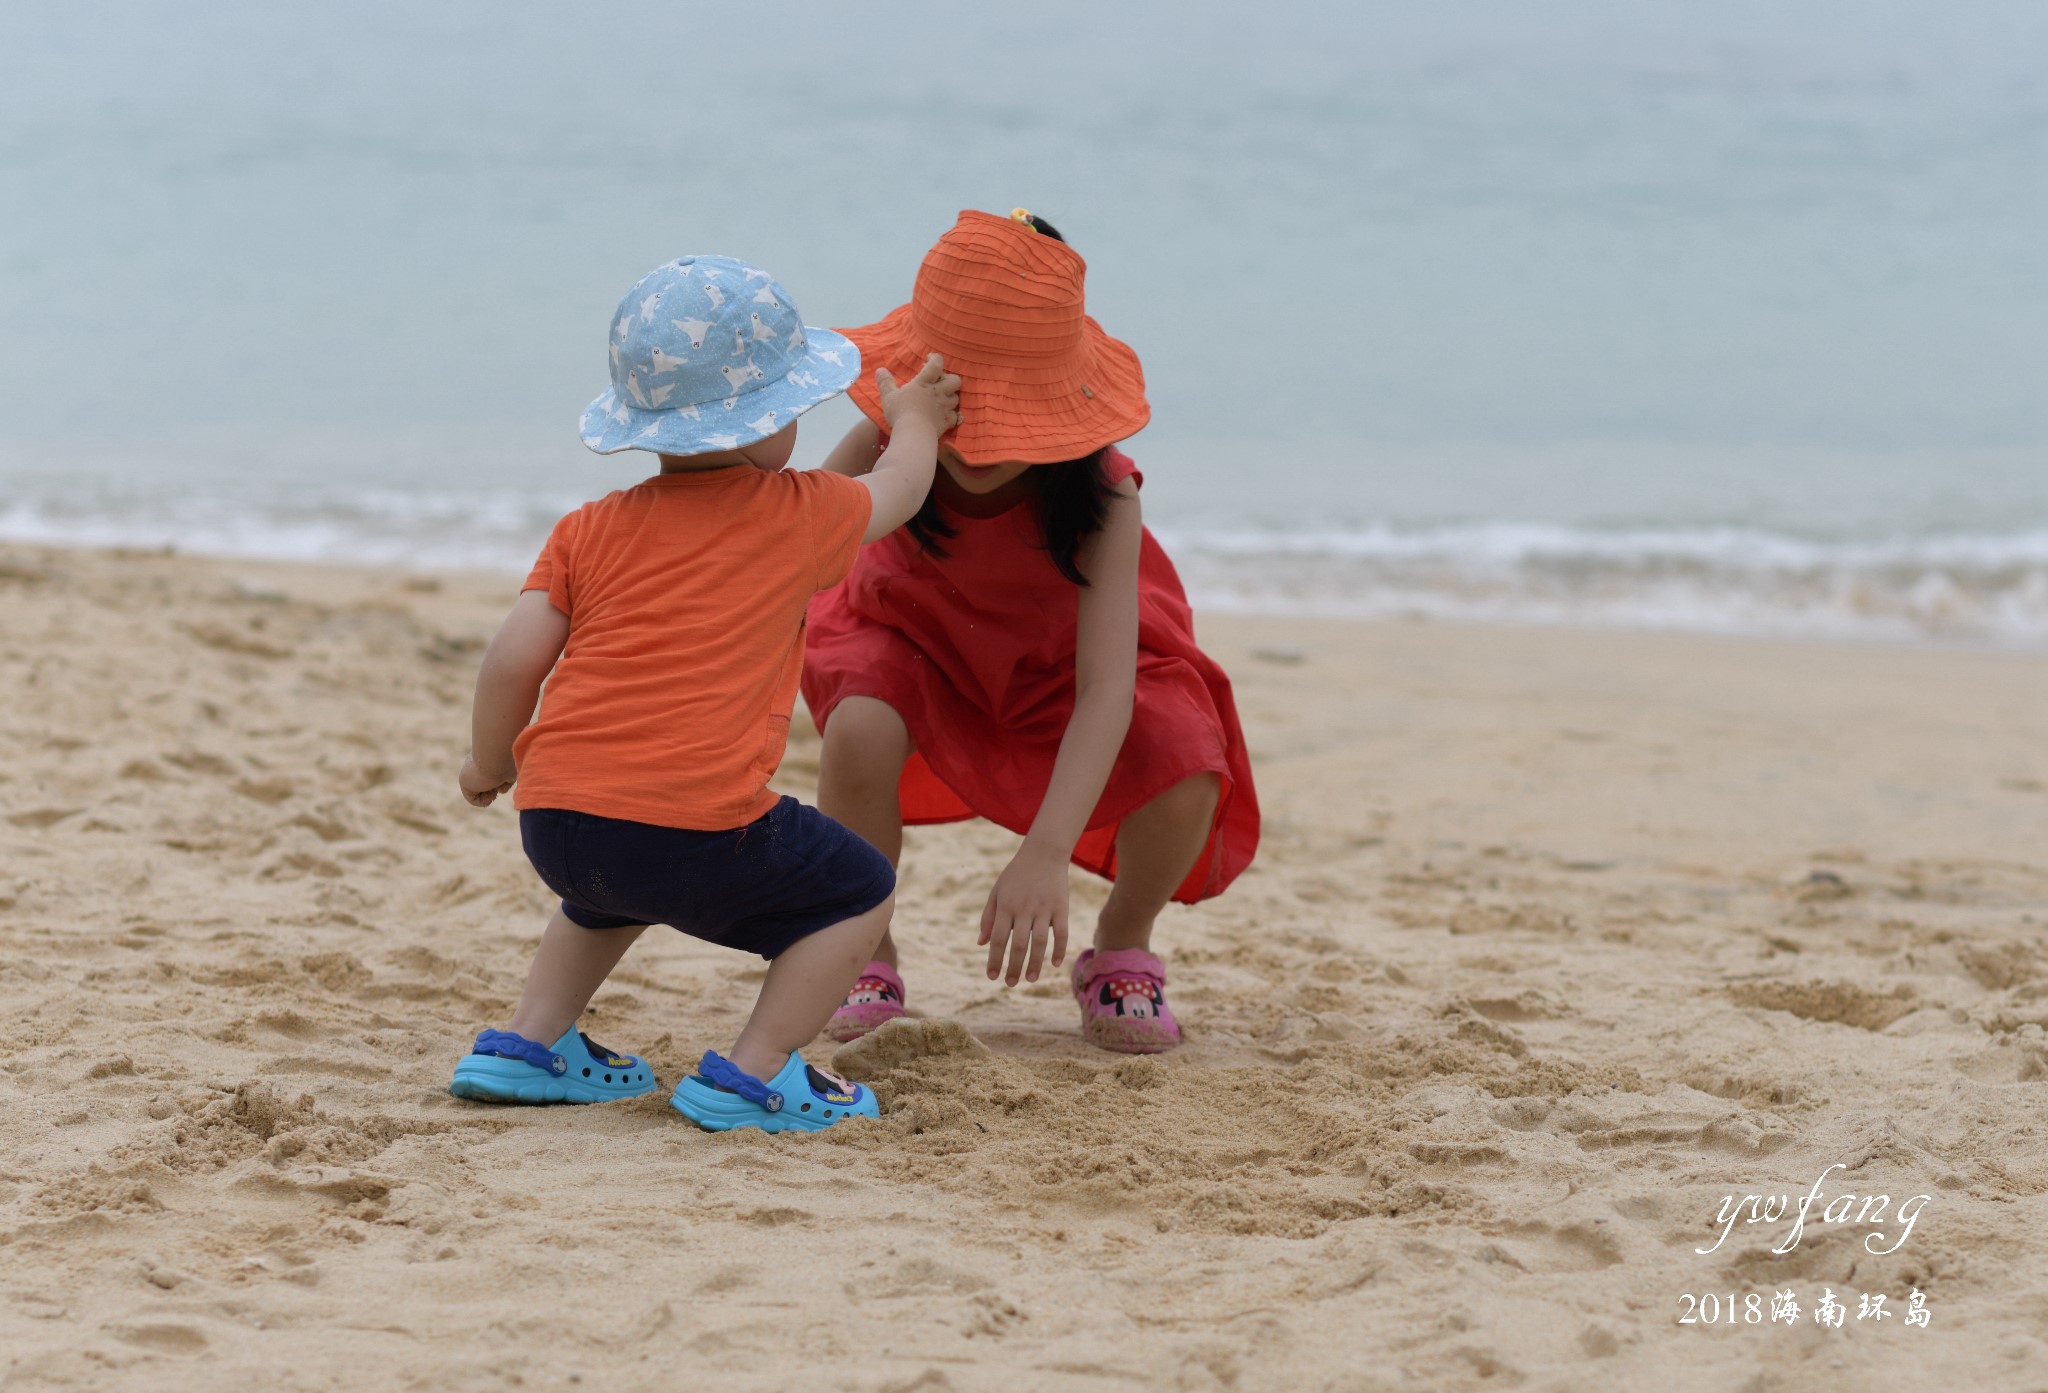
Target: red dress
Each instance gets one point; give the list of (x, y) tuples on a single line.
[(975, 650)]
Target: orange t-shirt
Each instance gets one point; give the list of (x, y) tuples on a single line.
[(685, 594)]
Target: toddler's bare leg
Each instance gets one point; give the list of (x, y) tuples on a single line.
[(805, 984), (570, 966), (866, 745), (1156, 847)]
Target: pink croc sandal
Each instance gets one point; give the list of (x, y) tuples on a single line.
[(875, 998), (1123, 1001)]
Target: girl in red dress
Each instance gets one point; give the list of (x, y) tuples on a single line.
[(1022, 650)]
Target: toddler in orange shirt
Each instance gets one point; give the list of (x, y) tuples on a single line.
[(667, 621)]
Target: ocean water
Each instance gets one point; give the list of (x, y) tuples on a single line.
[(1729, 317)]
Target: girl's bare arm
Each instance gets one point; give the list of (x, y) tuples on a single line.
[(1105, 676), (857, 450), (1028, 906)]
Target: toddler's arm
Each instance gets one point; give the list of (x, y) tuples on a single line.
[(918, 412), (507, 690)]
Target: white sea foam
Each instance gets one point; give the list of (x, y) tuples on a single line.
[(1982, 588), (1971, 588), (386, 527)]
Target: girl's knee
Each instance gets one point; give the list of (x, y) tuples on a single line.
[(1193, 799), (865, 739), (866, 719)]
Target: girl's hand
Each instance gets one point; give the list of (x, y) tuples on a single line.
[(482, 789), (933, 396), (1027, 908)]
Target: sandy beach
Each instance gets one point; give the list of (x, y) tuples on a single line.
[(1556, 940)]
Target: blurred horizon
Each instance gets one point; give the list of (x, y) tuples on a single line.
[(1480, 281)]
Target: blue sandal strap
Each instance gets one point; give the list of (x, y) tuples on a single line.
[(506, 1045), (723, 1073)]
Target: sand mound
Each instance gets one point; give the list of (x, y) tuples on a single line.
[(884, 1050)]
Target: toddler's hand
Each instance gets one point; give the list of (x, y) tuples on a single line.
[(933, 396), (480, 788), (1027, 908)]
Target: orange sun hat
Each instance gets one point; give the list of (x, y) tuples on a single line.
[(1040, 381)]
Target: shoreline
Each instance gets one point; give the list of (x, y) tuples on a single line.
[(1556, 941), (1968, 589), (1209, 606)]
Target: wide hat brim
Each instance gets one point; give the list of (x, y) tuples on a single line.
[(1036, 414), (828, 367)]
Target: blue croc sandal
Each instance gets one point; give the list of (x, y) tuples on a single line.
[(719, 1097), (508, 1068)]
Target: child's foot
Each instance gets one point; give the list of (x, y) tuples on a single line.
[(1123, 1001), (721, 1096), (508, 1068), (875, 998)]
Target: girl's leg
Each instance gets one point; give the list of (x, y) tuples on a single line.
[(567, 971), (1156, 847), (805, 984), (866, 746)]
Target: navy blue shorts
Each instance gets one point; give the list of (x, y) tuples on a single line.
[(760, 887)]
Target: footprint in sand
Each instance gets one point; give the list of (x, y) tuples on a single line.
[(1573, 1247), (1843, 1003), (162, 1338)]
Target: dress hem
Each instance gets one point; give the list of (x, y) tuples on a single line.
[(1202, 873)]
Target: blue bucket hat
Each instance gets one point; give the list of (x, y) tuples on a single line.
[(708, 353)]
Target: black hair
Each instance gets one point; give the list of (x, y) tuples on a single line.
[(1071, 498)]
